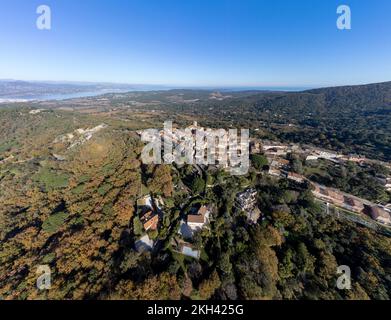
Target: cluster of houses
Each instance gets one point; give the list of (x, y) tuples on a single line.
[(385, 181), (338, 198), (276, 149), (79, 136), (149, 214), (36, 111), (195, 221), (280, 167), (247, 202), (200, 147), (351, 203)]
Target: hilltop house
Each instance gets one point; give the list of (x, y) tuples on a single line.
[(328, 194), (380, 215), (197, 221), (296, 177), (145, 202), (247, 199), (336, 196), (194, 222), (353, 204), (275, 172), (247, 202), (279, 163), (388, 184), (150, 220)]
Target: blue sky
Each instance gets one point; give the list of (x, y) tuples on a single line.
[(197, 42)]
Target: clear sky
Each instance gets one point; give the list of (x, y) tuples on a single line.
[(197, 42)]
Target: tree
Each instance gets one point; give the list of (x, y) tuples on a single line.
[(224, 263), (259, 161), (209, 286), (198, 185), (137, 226), (160, 287), (297, 166)]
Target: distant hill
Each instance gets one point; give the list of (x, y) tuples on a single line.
[(361, 96)]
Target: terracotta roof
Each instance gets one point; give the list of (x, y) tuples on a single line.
[(377, 212), (203, 210), (336, 195), (324, 192), (294, 175), (196, 218), (283, 161), (152, 223), (148, 215), (352, 202)]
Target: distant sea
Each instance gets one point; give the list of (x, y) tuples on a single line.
[(76, 95), (60, 96)]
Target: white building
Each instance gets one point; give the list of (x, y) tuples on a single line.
[(198, 221)]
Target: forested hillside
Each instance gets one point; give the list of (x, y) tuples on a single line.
[(74, 207)]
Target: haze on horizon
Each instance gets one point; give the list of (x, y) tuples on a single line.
[(224, 43)]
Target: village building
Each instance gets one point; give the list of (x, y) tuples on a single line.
[(276, 151), (296, 177), (267, 147), (279, 163), (198, 221), (255, 147), (328, 194), (353, 204), (36, 111), (312, 157), (336, 196), (145, 202), (150, 221), (247, 202), (247, 199), (184, 230), (320, 191), (356, 158), (380, 215), (275, 172)]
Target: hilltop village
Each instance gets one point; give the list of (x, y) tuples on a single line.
[(293, 162)]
